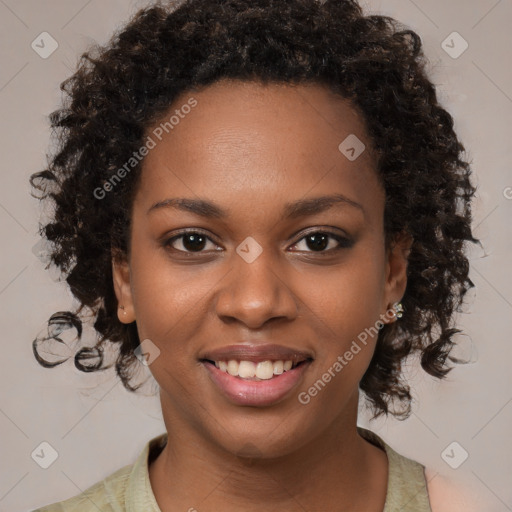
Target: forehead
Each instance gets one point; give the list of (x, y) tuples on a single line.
[(267, 142)]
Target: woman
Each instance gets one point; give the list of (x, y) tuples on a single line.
[(263, 202)]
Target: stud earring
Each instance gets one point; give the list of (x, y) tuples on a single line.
[(398, 310), (122, 307)]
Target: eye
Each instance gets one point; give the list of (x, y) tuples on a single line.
[(316, 241), (323, 241), (189, 242)]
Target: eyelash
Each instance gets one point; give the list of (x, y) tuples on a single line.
[(344, 243)]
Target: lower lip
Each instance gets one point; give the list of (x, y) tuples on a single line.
[(253, 392)]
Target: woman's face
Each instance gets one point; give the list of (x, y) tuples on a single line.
[(283, 259)]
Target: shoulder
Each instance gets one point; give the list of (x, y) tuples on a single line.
[(450, 495), (106, 495), (407, 485), (122, 491)]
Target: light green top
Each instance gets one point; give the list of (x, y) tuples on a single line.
[(129, 488)]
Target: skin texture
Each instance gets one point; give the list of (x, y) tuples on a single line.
[(250, 149)]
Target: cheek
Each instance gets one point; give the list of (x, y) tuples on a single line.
[(348, 331), (346, 306), (347, 298), (168, 300), (167, 308), (169, 305)]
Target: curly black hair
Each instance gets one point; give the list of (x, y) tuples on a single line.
[(121, 89)]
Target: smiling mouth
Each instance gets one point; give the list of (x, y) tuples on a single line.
[(256, 370)]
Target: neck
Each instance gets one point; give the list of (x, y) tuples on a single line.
[(338, 470)]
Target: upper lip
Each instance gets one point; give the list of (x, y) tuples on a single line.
[(256, 353)]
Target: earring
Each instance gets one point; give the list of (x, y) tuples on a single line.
[(122, 307), (398, 310)]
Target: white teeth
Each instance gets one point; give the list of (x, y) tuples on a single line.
[(233, 368), (263, 370), (246, 369), (278, 367)]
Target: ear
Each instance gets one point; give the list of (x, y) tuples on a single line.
[(396, 268), (122, 287)]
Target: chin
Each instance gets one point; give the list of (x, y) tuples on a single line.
[(264, 439)]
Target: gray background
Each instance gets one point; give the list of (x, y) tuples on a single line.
[(96, 426)]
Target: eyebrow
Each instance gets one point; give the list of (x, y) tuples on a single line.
[(300, 208)]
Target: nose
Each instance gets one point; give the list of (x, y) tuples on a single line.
[(253, 293)]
